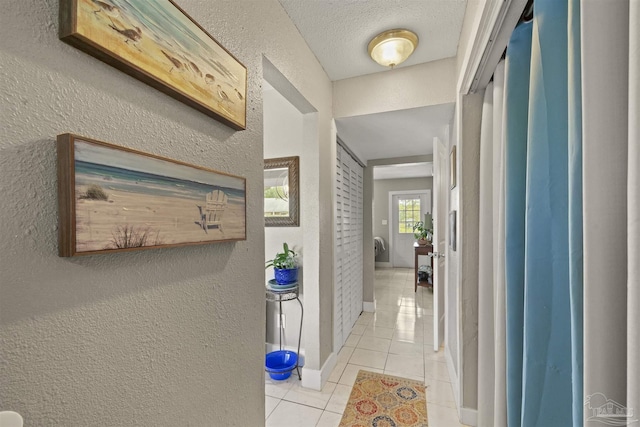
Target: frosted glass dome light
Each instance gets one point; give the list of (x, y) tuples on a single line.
[(392, 47)]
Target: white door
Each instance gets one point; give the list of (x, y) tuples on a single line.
[(406, 209), (439, 242), (348, 245)]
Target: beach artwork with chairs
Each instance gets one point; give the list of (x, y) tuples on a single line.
[(158, 43), (113, 198)]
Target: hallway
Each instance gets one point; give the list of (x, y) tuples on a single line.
[(396, 340)]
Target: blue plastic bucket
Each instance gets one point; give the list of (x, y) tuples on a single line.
[(280, 363)]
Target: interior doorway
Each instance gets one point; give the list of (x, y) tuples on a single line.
[(406, 208)]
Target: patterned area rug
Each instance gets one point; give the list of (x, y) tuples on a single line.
[(379, 400)]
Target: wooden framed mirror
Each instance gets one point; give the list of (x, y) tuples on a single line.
[(281, 192)]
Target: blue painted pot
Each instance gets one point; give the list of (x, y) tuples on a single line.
[(286, 276)]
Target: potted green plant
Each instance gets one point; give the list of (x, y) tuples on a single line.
[(422, 233), (285, 266)]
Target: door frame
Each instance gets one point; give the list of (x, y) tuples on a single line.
[(440, 218), (426, 192)]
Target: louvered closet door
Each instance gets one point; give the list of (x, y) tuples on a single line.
[(348, 262)]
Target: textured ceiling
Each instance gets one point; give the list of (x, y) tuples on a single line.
[(395, 133), (338, 31)]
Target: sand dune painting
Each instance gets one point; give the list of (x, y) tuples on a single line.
[(113, 198), (158, 43)]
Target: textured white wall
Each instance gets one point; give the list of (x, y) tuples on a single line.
[(462, 265), (468, 231), (421, 85), (152, 338)]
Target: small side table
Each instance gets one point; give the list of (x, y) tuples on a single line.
[(289, 294), (421, 250)]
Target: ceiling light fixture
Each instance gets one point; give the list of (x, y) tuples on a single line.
[(393, 47)]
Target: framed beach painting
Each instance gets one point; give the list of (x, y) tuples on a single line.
[(156, 42), (112, 199)]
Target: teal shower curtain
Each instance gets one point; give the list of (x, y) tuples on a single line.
[(542, 327), (518, 65), (576, 250), (546, 376), (572, 217)]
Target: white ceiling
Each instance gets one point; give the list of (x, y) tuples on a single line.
[(397, 133), (338, 32), (405, 170)]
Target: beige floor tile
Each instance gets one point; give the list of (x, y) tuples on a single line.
[(407, 348), (385, 319), (410, 365), (414, 311), (405, 375), (409, 336), (410, 325), (278, 389), (309, 397), (352, 341), (345, 353), (368, 358), (351, 372), (436, 370), (270, 404), (337, 372), (329, 419), (440, 392), (374, 343), (289, 414), (429, 354), (379, 331), (339, 399), (442, 416), (363, 321), (358, 329)]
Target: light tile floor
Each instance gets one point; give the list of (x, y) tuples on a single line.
[(396, 339)]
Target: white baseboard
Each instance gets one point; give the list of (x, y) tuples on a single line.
[(316, 379), (369, 306), (455, 383), (384, 265), (469, 416)]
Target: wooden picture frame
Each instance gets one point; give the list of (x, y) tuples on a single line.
[(114, 199), (281, 192), (156, 42), (453, 167)]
